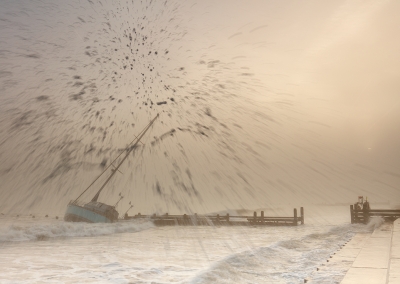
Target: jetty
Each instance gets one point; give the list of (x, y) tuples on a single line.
[(362, 215), (361, 212), (222, 220)]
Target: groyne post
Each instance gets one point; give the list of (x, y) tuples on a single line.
[(227, 217), (262, 217), (302, 215), (295, 217), (366, 214), (255, 217), (352, 214), (355, 214)]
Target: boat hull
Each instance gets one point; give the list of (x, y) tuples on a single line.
[(77, 213)]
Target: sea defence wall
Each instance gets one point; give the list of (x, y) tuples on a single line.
[(394, 261), (378, 260)]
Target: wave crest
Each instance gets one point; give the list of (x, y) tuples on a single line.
[(41, 232)]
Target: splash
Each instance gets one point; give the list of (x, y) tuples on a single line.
[(375, 223)]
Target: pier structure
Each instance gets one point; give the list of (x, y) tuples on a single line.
[(222, 220), (363, 215)]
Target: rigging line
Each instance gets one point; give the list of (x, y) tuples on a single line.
[(126, 156), (109, 165)]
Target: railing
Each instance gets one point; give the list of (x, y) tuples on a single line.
[(78, 203)]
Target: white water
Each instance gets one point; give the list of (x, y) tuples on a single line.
[(43, 250)]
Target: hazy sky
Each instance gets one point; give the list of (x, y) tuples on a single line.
[(267, 102)]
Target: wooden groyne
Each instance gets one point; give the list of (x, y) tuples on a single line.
[(222, 220), (362, 215)]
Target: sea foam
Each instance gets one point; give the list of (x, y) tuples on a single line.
[(40, 230), (284, 261)]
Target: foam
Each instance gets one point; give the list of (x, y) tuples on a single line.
[(40, 230), (285, 261), (375, 223)]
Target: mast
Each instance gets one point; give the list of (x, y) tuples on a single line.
[(126, 156), (111, 164)]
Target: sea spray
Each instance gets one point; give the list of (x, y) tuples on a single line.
[(375, 223)]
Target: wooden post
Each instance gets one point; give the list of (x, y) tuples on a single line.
[(218, 218), (195, 219), (355, 214), (302, 215), (227, 217), (351, 214), (366, 214), (295, 217), (255, 217), (262, 217)]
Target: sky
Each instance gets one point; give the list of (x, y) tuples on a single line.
[(262, 104)]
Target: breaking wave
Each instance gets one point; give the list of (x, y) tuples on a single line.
[(42, 231), (375, 223), (285, 261)]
